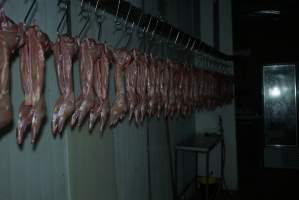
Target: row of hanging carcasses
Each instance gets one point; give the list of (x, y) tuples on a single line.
[(145, 86)]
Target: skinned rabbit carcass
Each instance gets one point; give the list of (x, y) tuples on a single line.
[(101, 109), (123, 59), (11, 38), (64, 50), (32, 57), (89, 53)]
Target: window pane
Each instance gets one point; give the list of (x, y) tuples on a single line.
[(280, 114)]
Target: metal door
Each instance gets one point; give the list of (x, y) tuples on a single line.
[(280, 109)]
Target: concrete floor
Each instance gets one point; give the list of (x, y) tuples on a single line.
[(267, 184)]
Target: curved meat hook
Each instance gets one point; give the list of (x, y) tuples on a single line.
[(165, 40), (85, 13), (187, 45), (63, 5), (140, 32), (2, 3), (153, 34), (154, 31), (169, 34), (144, 32), (184, 48), (29, 11), (129, 29), (116, 19), (193, 45), (149, 23), (177, 38), (100, 19)]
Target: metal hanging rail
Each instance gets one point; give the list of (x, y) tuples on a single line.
[(163, 29)]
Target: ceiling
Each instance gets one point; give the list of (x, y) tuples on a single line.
[(267, 28)]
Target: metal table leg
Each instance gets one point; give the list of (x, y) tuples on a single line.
[(222, 163), (176, 174), (207, 175), (196, 172)]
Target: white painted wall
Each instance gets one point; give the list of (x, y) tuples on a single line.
[(113, 166), (206, 21), (208, 121), (130, 141), (91, 163), (76, 166), (40, 173), (131, 144)]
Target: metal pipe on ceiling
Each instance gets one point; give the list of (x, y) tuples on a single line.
[(111, 6)]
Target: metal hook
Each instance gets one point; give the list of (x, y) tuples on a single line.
[(177, 37), (140, 18), (149, 23), (65, 4), (100, 30), (132, 26), (99, 19), (140, 32), (128, 29), (193, 45), (183, 50), (154, 31), (82, 9), (162, 20), (169, 34), (86, 17), (199, 46), (182, 41), (61, 4), (29, 11), (116, 21), (2, 3), (97, 5), (127, 17), (187, 45), (84, 27)]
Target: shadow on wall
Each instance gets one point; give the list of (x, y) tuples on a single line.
[(4, 131)]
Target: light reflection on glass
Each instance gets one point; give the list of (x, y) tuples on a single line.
[(274, 92)]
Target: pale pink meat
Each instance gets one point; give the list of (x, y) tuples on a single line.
[(142, 81), (64, 50), (89, 53), (151, 85), (131, 74), (101, 109), (190, 91), (123, 59), (166, 86), (159, 87), (32, 69), (171, 93), (11, 38)]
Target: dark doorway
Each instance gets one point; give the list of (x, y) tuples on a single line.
[(264, 32)]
